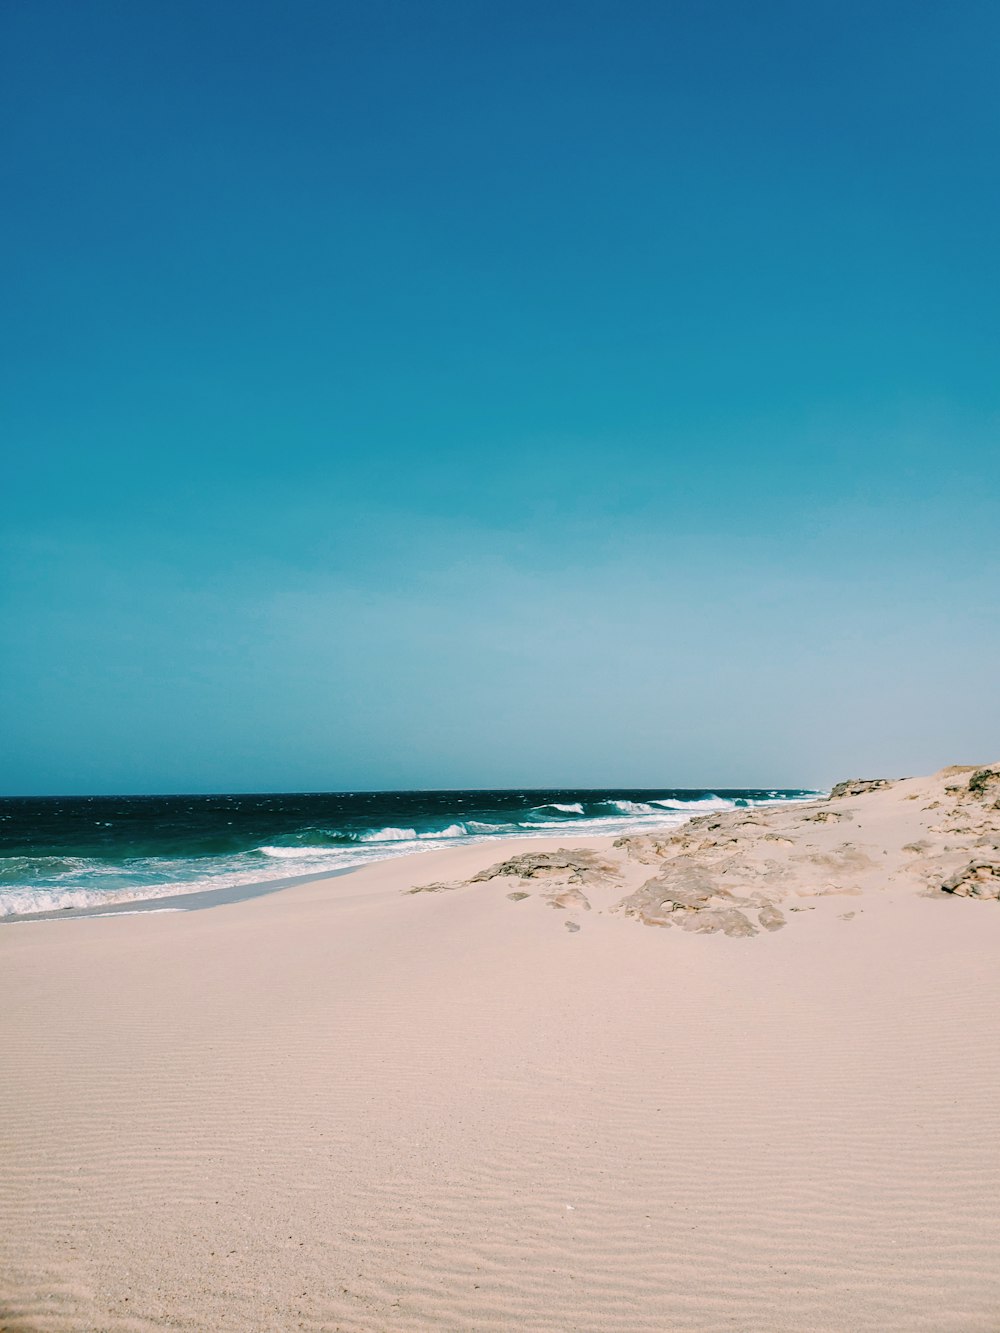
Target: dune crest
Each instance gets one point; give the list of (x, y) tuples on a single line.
[(730, 872)]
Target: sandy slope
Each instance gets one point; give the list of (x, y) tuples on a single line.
[(348, 1106)]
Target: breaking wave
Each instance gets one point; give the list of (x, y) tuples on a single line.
[(389, 835)]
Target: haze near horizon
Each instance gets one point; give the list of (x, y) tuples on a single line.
[(474, 396)]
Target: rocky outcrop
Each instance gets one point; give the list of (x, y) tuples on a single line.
[(737, 872), (688, 896), (979, 879), (771, 917), (578, 866), (649, 848), (985, 783), (561, 873), (860, 786)]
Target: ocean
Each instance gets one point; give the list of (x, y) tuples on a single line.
[(62, 852)]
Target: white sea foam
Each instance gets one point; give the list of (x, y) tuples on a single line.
[(21, 902), (575, 809), (128, 911), (140, 911), (701, 803), (296, 853), (633, 807), (389, 835)]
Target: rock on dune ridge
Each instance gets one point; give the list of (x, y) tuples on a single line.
[(741, 871)]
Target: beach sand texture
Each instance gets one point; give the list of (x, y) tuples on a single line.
[(743, 1077)]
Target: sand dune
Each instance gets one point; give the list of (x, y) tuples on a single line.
[(354, 1106)]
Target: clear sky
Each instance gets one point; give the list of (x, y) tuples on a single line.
[(452, 394)]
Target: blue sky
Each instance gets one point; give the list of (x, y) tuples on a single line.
[(474, 394)]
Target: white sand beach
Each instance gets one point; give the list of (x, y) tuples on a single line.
[(745, 1077)]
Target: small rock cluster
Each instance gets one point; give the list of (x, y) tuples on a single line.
[(860, 786), (986, 783), (576, 867), (561, 875), (686, 896), (979, 879)]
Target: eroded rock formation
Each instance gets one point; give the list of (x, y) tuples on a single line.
[(979, 879), (578, 866), (859, 787), (738, 872)]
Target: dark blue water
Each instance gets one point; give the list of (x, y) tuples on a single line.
[(76, 851)]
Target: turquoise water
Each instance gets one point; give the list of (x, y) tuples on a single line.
[(59, 852)]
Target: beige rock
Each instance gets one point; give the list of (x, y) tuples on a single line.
[(770, 917), (979, 879), (860, 786), (578, 866)]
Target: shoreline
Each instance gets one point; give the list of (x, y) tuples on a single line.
[(203, 899), (194, 901)]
